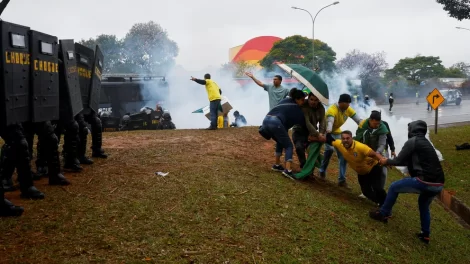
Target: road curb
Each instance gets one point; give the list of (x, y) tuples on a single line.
[(452, 203)]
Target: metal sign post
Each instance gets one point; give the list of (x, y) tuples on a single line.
[(435, 99)]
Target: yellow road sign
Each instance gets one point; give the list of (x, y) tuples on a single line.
[(435, 98)]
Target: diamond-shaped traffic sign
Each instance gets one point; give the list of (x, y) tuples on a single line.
[(435, 98)]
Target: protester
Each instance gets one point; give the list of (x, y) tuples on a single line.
[(427, 177), (313, 131), (373, 132), (240, 120), (213, 92), (276, 125), (276, 91), (364, 161), (337, 115), (390, 101)]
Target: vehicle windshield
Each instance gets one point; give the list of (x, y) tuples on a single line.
[(444, 92)]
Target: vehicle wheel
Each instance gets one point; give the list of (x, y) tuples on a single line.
[(458, 101)]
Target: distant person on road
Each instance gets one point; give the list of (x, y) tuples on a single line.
[(429, 105), (336, 116), (427, 177), (240, 120), (276, 91), (276, 124), (213, 92), (390, 101)]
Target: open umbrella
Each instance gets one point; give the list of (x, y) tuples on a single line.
[(311, 81)]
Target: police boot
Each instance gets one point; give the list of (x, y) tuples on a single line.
[(55, 177), (99, 154), (9, 209), (31, 193), (8, 185), (72, 165)]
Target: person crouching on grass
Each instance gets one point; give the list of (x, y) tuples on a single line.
[(427, 177), (276, 124), (363, 160)]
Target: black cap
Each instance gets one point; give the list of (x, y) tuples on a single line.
[(344, 98)]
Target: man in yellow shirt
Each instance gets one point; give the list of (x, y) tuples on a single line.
[(365, 162), (213, 92), (336, 116)]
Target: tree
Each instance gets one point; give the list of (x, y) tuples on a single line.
[(454, 72), (459, 9), (370, 67), (148, 49), (464, 67), (298, 50), (238, 69), (112, 49), (416, 69)]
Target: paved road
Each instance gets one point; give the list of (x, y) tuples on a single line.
[(446, 114)]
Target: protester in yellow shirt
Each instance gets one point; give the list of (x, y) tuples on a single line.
[(213, 92), (365, 162), (336, 116)]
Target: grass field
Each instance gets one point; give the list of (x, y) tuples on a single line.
[(220, 203), (456, 164)]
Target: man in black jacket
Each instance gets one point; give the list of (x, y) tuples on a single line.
[(427, 177)]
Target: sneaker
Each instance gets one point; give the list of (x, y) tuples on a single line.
[(423, 238), (362, 196), (323, 175), (288, 174), (377, 215), (276, 167), (344, 184)]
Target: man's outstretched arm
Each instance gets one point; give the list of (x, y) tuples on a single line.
[(202, 82), (258, 82)]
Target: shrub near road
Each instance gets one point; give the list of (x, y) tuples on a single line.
[(456, 163), (220, 203)]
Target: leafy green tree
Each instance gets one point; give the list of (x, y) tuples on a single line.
[(416, 69), (459, 9), (148, 49), (464, 67), (454, 72), (112, 49), (298, 50)]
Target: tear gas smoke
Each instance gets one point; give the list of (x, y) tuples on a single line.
[(251, 101)]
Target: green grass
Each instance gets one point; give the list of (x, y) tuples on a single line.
[(220, 203), (456, 163)]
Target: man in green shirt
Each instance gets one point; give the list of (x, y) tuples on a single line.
[(276, 91)]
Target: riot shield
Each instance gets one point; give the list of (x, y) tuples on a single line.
[(15, 68), (44, 88), (69, 90), (85, 57), (96, 80)]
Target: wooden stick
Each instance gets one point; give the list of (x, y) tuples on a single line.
[(113, 190)]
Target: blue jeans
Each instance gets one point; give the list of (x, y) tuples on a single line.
[(327, 156), (214, 108), (279, 133), (413, 185)]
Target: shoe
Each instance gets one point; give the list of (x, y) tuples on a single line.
[(344, 184), (211, 128), (9, 209), (58, 179), (73, 167), (377, 215), (99, 154), (85, 160), (288, 174), (423, 238), (32, 193), (277, 168), (362, 196)]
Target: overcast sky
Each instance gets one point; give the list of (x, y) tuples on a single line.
[(206, 29)]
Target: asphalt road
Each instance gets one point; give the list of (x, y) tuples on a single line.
[(449, 114)]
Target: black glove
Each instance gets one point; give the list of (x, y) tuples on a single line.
[(329, 139)]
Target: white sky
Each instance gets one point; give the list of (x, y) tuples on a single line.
[(206, 29)]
